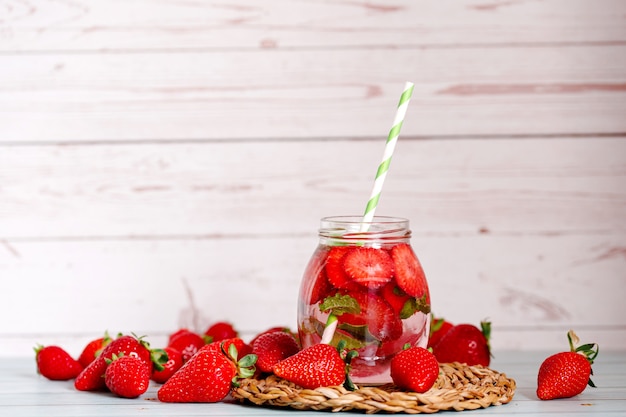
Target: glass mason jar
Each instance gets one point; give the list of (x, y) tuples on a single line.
[(365, 285)]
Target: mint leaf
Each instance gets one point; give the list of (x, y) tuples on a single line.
[(413, 305), (339, 304)]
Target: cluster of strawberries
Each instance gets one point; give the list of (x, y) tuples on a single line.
[(125, 364), (206, 367)]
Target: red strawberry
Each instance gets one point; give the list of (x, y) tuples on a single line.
[(93, 349), (389, 349), (176, 334), (383, 323), (567, 374), (242, 347), (173, 364), (273, 347), (395, 297), (316, 366), (414, 369), (220, 331), (187, 343), (465, 343), (270, 330), (53, 362), (321, 288), (438, 328), (127, 376), (207, 377), (408, 271), (370, 267), (92, 377), (335, 271)]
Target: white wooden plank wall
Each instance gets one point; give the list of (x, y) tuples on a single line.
[(166, 164)]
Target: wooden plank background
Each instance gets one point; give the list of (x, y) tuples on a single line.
[(166, 164)]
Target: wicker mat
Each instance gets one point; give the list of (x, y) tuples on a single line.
[(459, 387)]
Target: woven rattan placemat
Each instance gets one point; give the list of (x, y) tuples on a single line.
[(459, 387)]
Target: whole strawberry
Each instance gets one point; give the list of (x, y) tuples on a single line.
[(438, 328), (173, 364), (54, 363), (414, 369), (207, 377), (127, 376), (242, 347), (465, 343), (220, 331), (186, 342), (92, 377), (317, 366), (567, 374), (273, 347), (270, 330), (93, 349)]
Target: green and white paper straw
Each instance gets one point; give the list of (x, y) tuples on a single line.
[(392, 138), (383, 168)]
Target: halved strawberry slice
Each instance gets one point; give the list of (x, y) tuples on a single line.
[(321, 288), (370, 267), (394, 296), (335, 272), (409, 273), (318, 288), (383, 323), (395, 346)]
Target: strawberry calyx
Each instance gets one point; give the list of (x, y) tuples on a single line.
[(38, 348), (436, 324), (485, 327), (113, 357), (245, 366), (589, 351), (347, 356), (106, 339), (158, 356)]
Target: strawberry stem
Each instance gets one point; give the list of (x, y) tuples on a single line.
[(589, 351)]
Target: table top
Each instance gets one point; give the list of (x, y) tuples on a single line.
[(24, 393)]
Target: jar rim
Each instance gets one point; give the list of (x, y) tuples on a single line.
[(348, 228), (353, 219)]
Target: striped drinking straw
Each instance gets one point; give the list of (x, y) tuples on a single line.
[(392, 138), (383, 168)]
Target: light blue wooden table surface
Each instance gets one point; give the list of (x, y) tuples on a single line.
[(24, 393)]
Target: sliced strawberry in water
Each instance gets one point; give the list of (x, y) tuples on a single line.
[(409, 273), (370, 267), (321, 288), (383, 323), (317, 289), (335, 273), (394, 296), (395, 346)]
